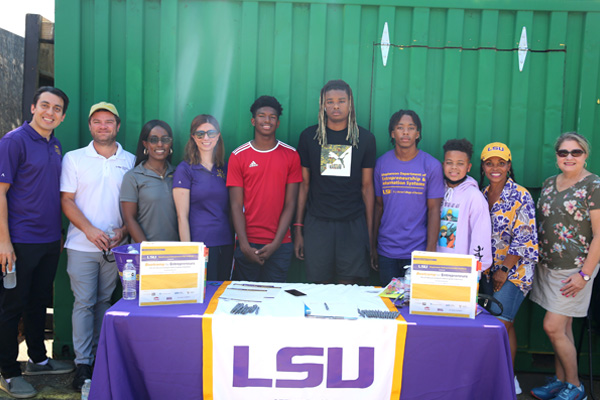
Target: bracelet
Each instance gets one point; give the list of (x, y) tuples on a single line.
[(298, 225)]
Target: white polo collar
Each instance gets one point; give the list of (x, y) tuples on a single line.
[(90, 151)]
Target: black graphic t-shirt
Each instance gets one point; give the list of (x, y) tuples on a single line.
[(336, 172)]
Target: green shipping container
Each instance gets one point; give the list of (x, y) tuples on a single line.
[(456, 63)]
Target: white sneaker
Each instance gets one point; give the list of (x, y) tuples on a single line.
[(517, 386)]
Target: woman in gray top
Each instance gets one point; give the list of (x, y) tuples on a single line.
[(146, 198)]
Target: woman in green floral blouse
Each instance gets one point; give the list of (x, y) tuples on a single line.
[(569, 234)]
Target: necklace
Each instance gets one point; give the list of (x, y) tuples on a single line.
[(161, 174)]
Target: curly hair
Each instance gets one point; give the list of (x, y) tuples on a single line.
[(266, 101), (462, 145)]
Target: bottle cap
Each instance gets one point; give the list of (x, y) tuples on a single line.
[(130, 261)]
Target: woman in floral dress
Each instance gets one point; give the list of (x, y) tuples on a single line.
[(514, 238), (569, 229)]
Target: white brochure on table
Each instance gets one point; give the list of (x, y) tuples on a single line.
[(172, 273), (443, 284)]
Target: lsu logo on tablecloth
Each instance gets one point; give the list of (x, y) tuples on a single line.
[(310, 374)]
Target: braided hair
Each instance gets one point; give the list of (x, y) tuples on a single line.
[(321, 134)]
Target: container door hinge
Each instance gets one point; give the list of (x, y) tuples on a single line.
[(523, 49), (385, 44)]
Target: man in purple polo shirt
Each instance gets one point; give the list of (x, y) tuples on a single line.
[(30, 233)]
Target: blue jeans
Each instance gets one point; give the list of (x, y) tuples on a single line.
[(509, 295), (391, 268), (274, 269)]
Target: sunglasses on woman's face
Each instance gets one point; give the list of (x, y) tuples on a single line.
[(575, 153), (211, 134), (163, 139)]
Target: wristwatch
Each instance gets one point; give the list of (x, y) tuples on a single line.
[(504, 268), (584, 276)]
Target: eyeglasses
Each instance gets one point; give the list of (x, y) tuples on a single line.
[(575, 153), (163, 139), (211, 134)]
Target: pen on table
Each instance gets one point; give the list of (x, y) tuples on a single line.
[(330, 317), (242, 299), (260, 286), (326, 306)]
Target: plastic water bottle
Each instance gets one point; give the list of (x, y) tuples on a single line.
[(110, 231), (10, 280), (85, 389), (407, 280), (129, 281), (132, 250)]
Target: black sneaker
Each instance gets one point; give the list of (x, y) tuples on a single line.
[(82, 373)]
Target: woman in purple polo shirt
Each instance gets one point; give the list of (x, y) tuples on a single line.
[(201, 197)]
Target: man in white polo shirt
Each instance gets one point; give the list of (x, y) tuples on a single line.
[(90, 184)]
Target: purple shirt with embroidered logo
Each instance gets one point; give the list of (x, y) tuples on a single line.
[(31, 165), (405, 187), (209, 203)]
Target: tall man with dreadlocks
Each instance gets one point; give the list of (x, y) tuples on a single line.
[(337, 159)]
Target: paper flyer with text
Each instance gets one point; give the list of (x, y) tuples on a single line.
[(443, 284), (172, 273)]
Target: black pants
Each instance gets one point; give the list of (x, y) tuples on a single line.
[(220, 263), (36, 268)]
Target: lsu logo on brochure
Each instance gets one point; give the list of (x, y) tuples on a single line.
[(310, 374)]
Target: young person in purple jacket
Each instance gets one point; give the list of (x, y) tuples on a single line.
[(465, 226)]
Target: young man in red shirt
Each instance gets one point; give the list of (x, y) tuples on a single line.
[(263, 178)]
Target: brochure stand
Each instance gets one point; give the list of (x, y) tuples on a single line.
[(172, 273), (443, 284)]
